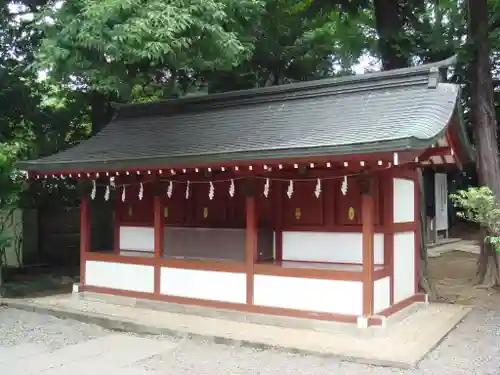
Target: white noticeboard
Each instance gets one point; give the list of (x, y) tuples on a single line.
[(441, 194)]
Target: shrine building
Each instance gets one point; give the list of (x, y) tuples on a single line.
[(299, 200)]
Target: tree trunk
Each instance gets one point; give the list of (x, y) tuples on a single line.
[(389, 25), (2, 292), (425, 282), (484, 122), (101, 111)]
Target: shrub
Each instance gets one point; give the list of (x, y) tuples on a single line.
[(479, 205)]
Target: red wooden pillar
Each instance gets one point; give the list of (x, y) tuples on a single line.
[(116, 225), (159, 224), (250, 244), (84, 235), (278, 221), (367, 217), (418, 228), (388, 223)]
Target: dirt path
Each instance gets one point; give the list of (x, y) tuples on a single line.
[(454, 273)]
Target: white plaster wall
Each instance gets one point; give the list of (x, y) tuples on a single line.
[(210, 285), (331, 247), (332, 296), (404, 200), (138, 278), (137, 238), (404, 265), (381, 294)]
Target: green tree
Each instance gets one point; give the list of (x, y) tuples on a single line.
[(485, 123), (35, 118), (110, 48), (480, 205), (107, 45), (11, 185), (291, 44), (136, 50), (19, 98)]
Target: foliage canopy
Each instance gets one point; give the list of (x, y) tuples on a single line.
[(479, 205)]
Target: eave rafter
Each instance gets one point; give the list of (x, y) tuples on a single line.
[(442, 153), (313, 165)]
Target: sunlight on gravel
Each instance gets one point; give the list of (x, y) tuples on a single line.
[(20, 327), (473, 348)]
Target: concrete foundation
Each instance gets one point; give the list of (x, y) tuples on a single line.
[(402, 342)]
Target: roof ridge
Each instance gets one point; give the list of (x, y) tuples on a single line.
[(354, 83)]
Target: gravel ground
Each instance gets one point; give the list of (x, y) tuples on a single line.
[(473, 348), (21, 327)]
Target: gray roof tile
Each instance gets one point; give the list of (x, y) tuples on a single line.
[(374, 112)]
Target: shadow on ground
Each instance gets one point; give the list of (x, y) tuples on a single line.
[(39, 281)]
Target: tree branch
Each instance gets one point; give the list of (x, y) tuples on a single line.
[(495, 25)]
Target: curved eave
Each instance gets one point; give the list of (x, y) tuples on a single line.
[(227, 159)]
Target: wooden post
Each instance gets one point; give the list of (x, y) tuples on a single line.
[(428, 227), (159, 225), (388, 223), (116, 224), (250, 243), (367, 217), (418, 228), (84, 235), (434, 230), (278, 222)]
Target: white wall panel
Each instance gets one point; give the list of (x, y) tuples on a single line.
[(334, 247), (381, 294), (202, 284), (404, 265), (138, 278), (137, 238), (332, 296), (404, 200)]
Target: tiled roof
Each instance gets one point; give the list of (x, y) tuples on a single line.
[(399, 109)]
